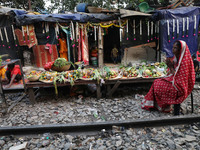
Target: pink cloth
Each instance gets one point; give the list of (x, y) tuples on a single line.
[(48, 47)]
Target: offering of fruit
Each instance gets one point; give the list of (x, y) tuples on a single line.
[(33, 75), (88, 73), (147, 73), (46, 77), (133, 72), (110, 73)]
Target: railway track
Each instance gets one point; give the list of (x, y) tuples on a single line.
[(98, 126)]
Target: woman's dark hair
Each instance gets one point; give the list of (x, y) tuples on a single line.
[(178, 43), (11, 66)]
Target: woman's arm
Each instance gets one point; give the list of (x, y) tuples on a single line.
[(11, 81)]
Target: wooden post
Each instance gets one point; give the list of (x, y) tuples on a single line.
[(100, 50), (98, 91), (31, 95), (74, 54), (109, 94), (29, 5)]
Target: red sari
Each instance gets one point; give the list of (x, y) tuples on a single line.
[(173, 89)]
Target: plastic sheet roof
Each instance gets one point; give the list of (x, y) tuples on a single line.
[(24, 19)]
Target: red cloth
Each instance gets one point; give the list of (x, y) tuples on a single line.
[(80, 45), (173, 89), (30, 40), (16, 70), (83, 51), (42, 56)]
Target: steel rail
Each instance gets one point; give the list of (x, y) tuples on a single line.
[(98, 126)]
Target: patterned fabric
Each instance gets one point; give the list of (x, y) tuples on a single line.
[(42, 55), (2, 72), (83, 51), (80, 45), (30, 40), (173, 89)]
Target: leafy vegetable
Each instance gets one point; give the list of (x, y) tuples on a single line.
[(60, 62), (1, 56)]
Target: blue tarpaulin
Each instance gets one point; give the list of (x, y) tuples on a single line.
[(31, 19), (183, 17), (25, 19), (19, 12)]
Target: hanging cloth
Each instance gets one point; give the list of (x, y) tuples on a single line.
[(80, 45), (68, 45), (85, 50), (63, 49)]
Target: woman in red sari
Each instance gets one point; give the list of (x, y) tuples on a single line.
[(176, 87)]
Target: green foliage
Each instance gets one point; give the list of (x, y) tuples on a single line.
[(69, 5), (23, 4), (60, 62), (1, 56)]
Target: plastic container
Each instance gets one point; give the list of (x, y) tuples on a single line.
[(144, 7), (82, 7), (93, 58)]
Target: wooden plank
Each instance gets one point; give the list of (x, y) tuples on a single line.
[(190, 3), (151, 44), (138, 80), (41, 84), (113, 89), (183, 2), (24, 83), (31, 85), (177, 5)]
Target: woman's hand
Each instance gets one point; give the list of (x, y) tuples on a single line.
[(7, 86), (170, 65)]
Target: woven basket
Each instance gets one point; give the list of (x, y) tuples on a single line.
[(33, 78), (60, 69)]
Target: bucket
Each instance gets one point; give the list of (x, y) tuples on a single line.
[(144, 7), (81, 7)]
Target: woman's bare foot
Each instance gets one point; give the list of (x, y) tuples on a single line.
[(167, 109)]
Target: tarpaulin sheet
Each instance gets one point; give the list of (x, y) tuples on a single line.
[(188, 13), (30, 19), (6, 10), (5, 21), (19, 12), (25, 19), (89, 17)]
